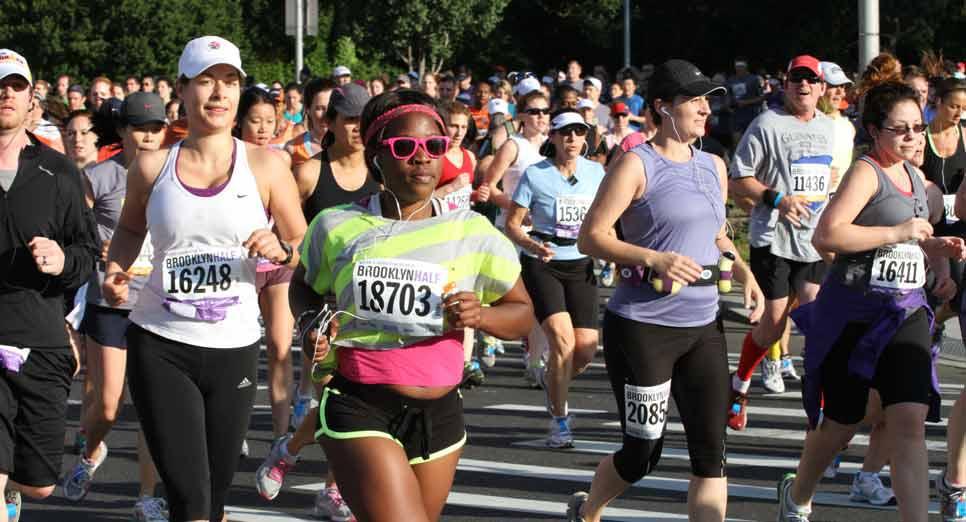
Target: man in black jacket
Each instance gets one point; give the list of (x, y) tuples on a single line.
[(47, 247)]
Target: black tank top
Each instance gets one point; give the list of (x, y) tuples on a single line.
[(946, 173), (329, 194)]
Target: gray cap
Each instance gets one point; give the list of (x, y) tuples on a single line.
[(349, 99), (141, 108)]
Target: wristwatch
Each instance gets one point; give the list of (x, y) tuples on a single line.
[(289, 252)]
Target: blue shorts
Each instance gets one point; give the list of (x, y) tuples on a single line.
[(107, 326)]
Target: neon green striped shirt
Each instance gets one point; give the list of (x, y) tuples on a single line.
[(392, 275)]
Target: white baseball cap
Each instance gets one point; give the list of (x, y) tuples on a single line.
[(565, 119), (833, 74), (526, 86), (584, 103), (341, 70), (12, 63), (498, 106), (202, 53), (596, 83)]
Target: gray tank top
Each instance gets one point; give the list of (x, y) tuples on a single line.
[(681, 211), (889, 206)]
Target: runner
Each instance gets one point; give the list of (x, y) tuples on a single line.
[(293, 104), (396, 443), (309, 143), (257, 125), (661, 342), (556, 193), (870, 324), (336, 176), (80, 139), (76, 98), (193, 346), (141, 125), (951, 485), (42, 199), (782, 163), (503, 175), (744, 89)]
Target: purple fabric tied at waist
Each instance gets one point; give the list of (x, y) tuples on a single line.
[(13, 358), (211, 309), (823, 320)]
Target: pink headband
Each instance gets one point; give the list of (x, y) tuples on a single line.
[(387, 117)]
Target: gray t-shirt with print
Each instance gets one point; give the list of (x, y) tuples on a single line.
[(792, 156)]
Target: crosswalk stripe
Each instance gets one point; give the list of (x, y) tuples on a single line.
[(244, 514), (529, 408), (599, 447)]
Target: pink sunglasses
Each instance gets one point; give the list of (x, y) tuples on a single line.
[(405, 147)]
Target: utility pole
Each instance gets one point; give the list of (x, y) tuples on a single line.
[(299, 31), (868, 32), (627, 33)]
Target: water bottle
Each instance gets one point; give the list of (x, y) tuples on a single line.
[(725, 266)]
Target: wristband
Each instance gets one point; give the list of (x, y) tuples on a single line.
[(289, 252), (778, 199), (768, 197)]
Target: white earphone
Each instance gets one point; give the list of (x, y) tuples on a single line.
[(664, 110)]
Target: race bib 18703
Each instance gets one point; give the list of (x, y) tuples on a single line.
[(645, 410), (399, 294), (570, 213), (900, 266), (203, 272)]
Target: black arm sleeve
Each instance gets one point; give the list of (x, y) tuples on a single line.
[(78, 233)]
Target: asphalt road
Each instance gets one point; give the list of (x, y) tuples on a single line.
[(507, 474)]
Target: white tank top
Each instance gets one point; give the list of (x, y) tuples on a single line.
[(202, 286), (527, 155)]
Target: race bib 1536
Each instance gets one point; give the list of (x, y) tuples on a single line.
[(570, 212)]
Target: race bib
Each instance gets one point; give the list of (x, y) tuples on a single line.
[(399, 294), (949, 203), (204, 272), (645, 410), (811, 181), (459, 199), (571, 210), (898, 267), (739, 90)]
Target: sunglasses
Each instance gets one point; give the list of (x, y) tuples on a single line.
[(798, 77), (907, 130), (577, 130), (405, 147), (537, 111)]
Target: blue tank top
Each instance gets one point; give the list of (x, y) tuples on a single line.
[(682, 211)]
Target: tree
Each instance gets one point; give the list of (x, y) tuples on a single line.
[(422, 34)]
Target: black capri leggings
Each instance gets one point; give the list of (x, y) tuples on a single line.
[(647, 364), (194, 405)]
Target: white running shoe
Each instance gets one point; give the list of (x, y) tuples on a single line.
[(531, 373), (771, 376), (329, 505), (952, 500), (577, 501), (244, 449), (871, 490), (489, 351), (271, 473), (788, 369), (14, 505), (150, 509), (78, 481), (833, 469), (786, 512), (561, 432)]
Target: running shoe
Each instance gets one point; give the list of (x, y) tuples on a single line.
[(771, 376), (151, 509), (576, 502), (833, 469), (329, 505), (871, 489), (271, 474), (607, 275), (952, 501), (489, 351), (473, 375), (300, 410), (738, 412), (788, 369), (244, 449), (531, 372), (786, 513), (80, 443), (500, 349), (14, 505), (541, 377), (78, 481), (561, 432)]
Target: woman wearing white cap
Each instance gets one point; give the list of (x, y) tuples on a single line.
[(556, 193), (193, 347), (836, 83)]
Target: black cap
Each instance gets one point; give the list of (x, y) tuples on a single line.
[(349, 99), (141, 108), (76, 88), (680, 78)]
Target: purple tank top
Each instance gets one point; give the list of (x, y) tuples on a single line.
[(681, 211)]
